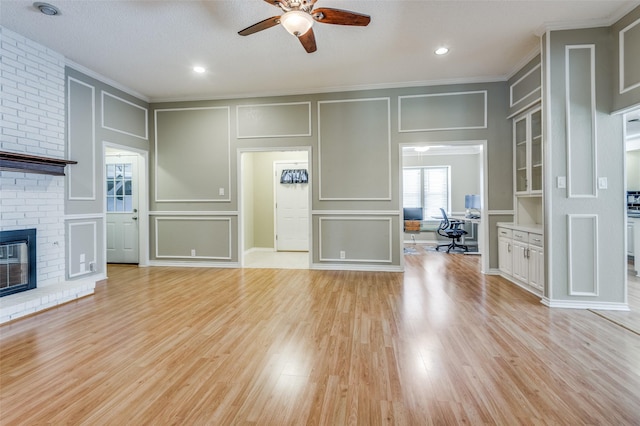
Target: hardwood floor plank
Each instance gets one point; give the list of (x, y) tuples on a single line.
[(439, 344)]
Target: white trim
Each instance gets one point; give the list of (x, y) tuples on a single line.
[(213, 200), (522, 110), (400, 98), (500, 212), (582, 304), (86, 216), (354, 267), (343, 218), (621, 59), (547, 180), (238, 107), (183, 264), (146, 116), (195, 219), (386, 198), (337, 89), (92, 141), (594, 134), (143, 197), (357, 212), (518, 81), (90, 73), (70, 249), (570, 254), (192, 213)]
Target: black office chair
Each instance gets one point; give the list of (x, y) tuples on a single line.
[(450, 228)]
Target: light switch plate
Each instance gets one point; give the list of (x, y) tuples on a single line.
[(562, 181), (221, 191), (602, 183)]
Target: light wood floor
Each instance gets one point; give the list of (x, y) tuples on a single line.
[(440, 344)]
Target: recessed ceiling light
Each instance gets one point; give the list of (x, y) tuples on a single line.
[(199, 70), (46, 8), (441, 51)]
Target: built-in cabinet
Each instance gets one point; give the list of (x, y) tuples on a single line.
[(521, 255), (521, 243), (527, 139)]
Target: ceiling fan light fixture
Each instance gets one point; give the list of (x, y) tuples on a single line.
[(296, 22)]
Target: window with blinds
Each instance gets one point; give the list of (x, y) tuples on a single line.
[(426, 187)]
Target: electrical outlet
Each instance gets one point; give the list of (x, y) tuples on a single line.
[(220, 191), (82, 257), (343, 255), (92, 266), (193, 252)]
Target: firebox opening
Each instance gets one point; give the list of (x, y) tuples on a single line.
[(17, 261)]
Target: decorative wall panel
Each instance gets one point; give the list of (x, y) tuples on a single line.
[(354, 145), (81, 140), (583, 254), (443, 111), (581, 120), (355, 239), (82, 248), (629, 57), (123, 116), (193, 238), (192, 155), (274, 120)]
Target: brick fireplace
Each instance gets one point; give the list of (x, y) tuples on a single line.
[(33, 124)]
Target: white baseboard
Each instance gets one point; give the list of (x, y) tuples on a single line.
[(354, 267), (585, 304)]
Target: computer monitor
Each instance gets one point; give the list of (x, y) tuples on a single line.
[(472, 202), (412, 213)]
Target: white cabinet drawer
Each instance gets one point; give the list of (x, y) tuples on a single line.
[(536, 240), (505, 233), (521, 236)]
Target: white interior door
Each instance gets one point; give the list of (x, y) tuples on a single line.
[(292, 211), (122, 208)]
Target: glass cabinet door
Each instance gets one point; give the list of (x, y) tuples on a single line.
[(536, 151), (520, 147)]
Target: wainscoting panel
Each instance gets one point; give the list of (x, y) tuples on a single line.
[(583, 254), (82, 237), (581, 121), (274, 120), (124, 117), (355, 239), (81, 140), (193, 238), (443, 111)]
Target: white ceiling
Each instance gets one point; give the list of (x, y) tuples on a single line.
[(149, 47)]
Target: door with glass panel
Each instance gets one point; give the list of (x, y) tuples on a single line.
[(122, 208)]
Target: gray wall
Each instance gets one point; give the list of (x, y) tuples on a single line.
[(97, 113), (355, 165), (626, 69), (583, 223)]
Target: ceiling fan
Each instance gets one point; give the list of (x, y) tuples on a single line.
[(299, 16)]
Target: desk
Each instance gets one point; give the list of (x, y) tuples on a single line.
[(472, 239)]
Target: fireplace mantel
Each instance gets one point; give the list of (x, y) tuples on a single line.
[(15, 162)]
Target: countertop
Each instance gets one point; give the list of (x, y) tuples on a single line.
[(536, 229)]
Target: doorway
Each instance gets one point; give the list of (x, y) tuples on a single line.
[(125, 205), (466, 165), (274, 217)]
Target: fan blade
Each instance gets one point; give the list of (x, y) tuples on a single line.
[(262, 25), (340, 17), (308, 41)]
